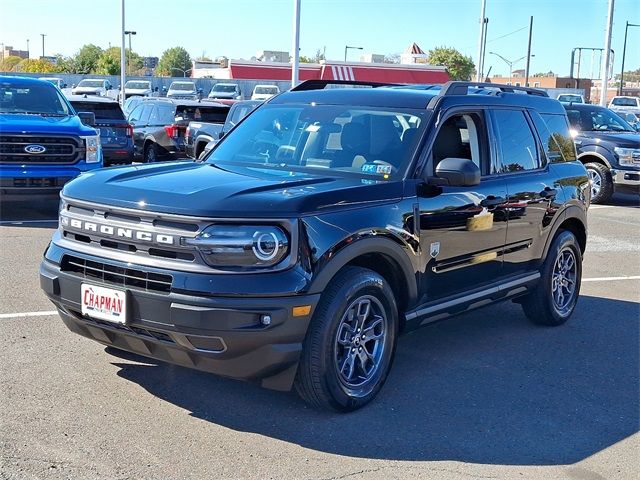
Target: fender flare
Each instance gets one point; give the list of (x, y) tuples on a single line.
[(201, 139), (572, 211), (378, 245), (595, 153)]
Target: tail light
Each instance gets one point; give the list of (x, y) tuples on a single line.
[(129, 130), (173, 131)]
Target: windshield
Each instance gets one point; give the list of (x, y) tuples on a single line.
[(91, 83), (624, 102), (183, 86), (40, 99), (597, 119), (570, 98), (266, 90), (137, 85), (224, 88), (102, 110), (339, 140)]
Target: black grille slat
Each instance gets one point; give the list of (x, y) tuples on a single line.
[(114, 275), (130, 329), (59, 150)]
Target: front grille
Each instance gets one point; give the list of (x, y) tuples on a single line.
[(114, 275), (58, 149)]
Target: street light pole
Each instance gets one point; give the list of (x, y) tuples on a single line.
[(123, 60), (481, 42), (526, 72), (624, 52), (604, 71), (508, 62), (295, 68), (43, 35), (129, 32), (28, 56), (347, 47)]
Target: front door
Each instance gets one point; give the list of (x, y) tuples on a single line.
[(462, 229)]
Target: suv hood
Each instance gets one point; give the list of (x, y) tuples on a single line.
[(205, 190), (37, 124), (622, 139), (228, 95)]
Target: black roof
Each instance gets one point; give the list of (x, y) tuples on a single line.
[(421, 96)]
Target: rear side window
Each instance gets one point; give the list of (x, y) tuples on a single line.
[(556, 139), (516, 143), (203, 113), (102, 110)]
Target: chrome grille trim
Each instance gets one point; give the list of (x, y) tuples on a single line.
[(60, 149)]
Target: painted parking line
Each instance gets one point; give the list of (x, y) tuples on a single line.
[(54, 312), (22, 222), (28, 314)]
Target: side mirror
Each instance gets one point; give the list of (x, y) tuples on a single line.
[(459, 172), (88, 118)]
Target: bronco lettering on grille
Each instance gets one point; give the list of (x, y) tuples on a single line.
[(116, 232)]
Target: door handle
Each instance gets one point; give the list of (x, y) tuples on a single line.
[(492, 201), (549, 192)]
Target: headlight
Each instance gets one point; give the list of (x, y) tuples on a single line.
[(241, 245), (93, 149), (628, 156)]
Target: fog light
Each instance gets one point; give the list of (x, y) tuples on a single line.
[(265, 319)]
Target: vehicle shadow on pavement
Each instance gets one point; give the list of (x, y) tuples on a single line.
[(487, 387)]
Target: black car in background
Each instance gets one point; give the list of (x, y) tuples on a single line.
[(159, 125), (116, 135), (609, 147)]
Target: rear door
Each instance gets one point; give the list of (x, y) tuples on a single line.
[(139, 119)]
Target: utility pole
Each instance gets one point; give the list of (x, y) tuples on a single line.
[(479, 65), (604, 72), (624, 52), (122, 58), (28, 56), (43, 35), (295, 67), (526, 71)]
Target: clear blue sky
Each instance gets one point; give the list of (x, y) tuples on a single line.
[(239, 28)]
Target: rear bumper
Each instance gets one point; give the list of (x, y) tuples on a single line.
[(221, 335), (117, 154)]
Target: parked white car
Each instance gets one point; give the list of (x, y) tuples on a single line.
[(57, 81), (92, 86), (182, 91), (140, 88), (263, 92), (626, 105)]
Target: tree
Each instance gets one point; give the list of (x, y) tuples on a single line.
[(9, 63), (109, 62), (175, 60), (459, 67), (32, 65), (86, 60), (542, 74)]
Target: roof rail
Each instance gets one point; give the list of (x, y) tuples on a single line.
[(462, 88), (321, 84)]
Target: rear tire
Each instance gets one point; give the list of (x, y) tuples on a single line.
[(556, 295), (151, 153), (601, 182)]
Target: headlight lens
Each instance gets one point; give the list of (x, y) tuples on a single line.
[(93, 148), (241, 245), (628, 156)]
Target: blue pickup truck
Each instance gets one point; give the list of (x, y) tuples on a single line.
[(44, 143)]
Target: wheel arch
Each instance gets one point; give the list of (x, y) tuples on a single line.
[(574, 220), (200, 143), (381, 255), (594, 157)]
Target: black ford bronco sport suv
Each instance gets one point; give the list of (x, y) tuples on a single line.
[(327, 222)]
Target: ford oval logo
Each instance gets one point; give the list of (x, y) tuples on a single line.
[(35, 149)]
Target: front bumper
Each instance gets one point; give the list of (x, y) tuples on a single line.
[(16, 181), (626, 179), (221, 335)]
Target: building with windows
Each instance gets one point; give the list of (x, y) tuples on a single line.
[(547, 82), (8, 51)]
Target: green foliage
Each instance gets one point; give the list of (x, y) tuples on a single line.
[(459, 67), (173, 62), (86, 60), (109, 62), (315, 59), (9, 63), (542, 74)]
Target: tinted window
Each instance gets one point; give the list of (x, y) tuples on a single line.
[(460, 136), (595, 118), (517, 146), (146, 112), (556, 139), (624, 102), (189, 87), (44, 98), (203, 114), (166, 114), (102, 110)]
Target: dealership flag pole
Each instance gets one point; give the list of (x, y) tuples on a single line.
[(296, 43), (122, 60)]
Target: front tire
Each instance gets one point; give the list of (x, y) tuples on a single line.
[(349, 348), (601, 182), (555, 298)]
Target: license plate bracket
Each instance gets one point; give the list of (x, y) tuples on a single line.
[(104, 303)]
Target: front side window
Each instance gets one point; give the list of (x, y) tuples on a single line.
[(516, 144), (339, 140), (460, 136)]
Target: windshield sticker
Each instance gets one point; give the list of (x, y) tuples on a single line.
[(376, 169)]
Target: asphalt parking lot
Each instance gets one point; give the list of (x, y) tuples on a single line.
[(483, 395)]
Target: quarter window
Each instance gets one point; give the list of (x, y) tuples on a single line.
[(556, 139), (517, 145)]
